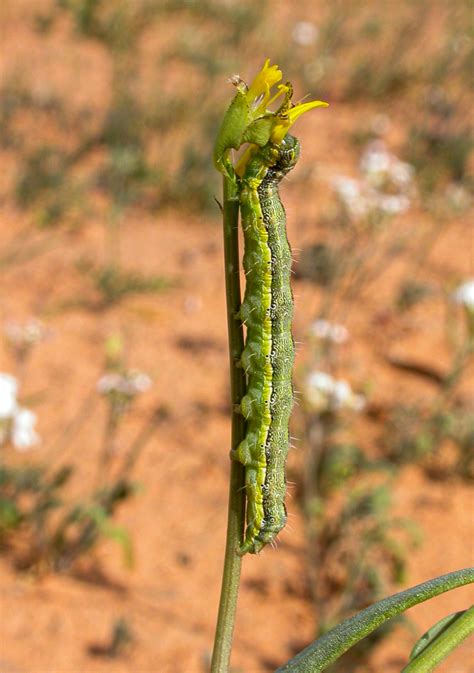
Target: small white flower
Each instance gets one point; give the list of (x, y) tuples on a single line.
[(128, 384), (347, 188), (401, 173), (351, 194), (8, 392), (305, 33), (458, 197), (375, 161), (23, 434), (107, 383), (464, 294), (393, 204), (24, 334), (323, 329), (358, 402), (141, 382), (381, 168), (340, 394), (321, 381), (325, 393), (317, 390)]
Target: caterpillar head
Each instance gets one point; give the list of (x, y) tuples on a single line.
[(289, 153)]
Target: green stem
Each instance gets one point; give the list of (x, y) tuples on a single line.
[(444, 644), (324, 651), (236, 512)]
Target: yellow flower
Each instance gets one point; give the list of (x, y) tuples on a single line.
[(258, 93), (248, 119), (285, 119), (258, 97)]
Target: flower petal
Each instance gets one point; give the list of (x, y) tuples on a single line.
[(263, 82), (284, 122)]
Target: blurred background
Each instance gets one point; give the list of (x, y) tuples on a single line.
[(114, 400)]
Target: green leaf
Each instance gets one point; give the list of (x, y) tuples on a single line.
[(231, 132), (259, 131), (433, 633), (10, 516), (440, 641), (109, 529), (327, 649)]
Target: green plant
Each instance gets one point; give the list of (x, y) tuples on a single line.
[(248, 120), (419, 431), (43, 528), (357, 548), (115, 284)]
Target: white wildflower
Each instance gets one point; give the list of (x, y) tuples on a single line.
[(393, 204), (386, 187), (375, 161), (128, 384), (8, 392), (321, 381), (24, 334), (325, 393), (305, 33), (141, 382), (401, 172), (107, 383), (458, 197), (23, 434), (323, 329), (382, 168), (464, 294), (351, 194), (317, 389), (340, 394), (16, 423), (358, 403)]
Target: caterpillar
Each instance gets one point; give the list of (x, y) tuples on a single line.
[(267, 358)]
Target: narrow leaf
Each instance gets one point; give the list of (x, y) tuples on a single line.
[(448, 637), (433, 633), (327, 649)]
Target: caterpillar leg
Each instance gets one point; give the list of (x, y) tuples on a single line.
[(255, 519), (242, 452), (255, 540)]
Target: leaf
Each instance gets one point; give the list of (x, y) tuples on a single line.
[(327, 649), (440, 641), (10, 516), (233, 126), (258, 133), (109, 529), (433, 633)]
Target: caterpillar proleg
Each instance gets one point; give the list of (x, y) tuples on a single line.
[(267, 312)]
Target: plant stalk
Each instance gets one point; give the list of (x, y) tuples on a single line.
[(236, 512)]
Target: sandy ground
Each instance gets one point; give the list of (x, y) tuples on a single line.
[(54, 623)]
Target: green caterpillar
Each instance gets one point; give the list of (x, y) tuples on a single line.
[(267, 311)]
